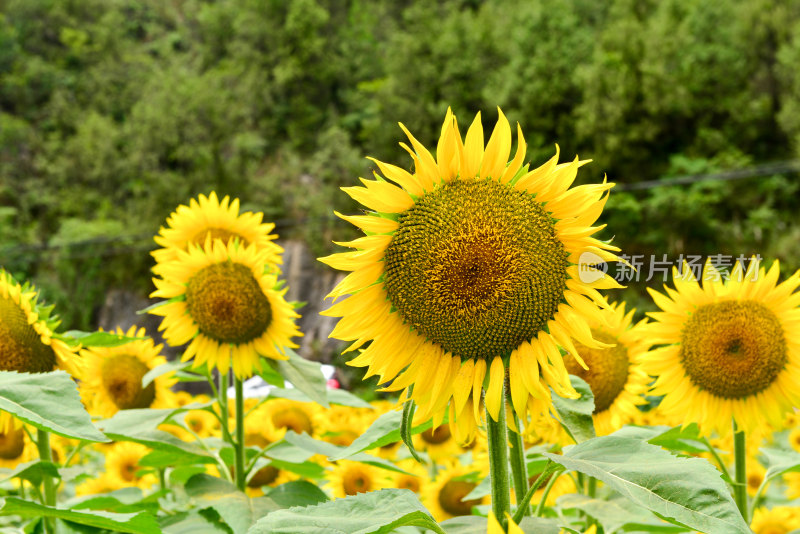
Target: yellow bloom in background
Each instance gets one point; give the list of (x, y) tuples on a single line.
[(469, 268), (226, 305), (349, 478), (563, 485), (755, 475), (285, 414), (341, 425), (615, 373), (113, 376), (416, 478), (16, 447), (794, 439), (207, 217), (122, 464), (443, 496), (732, 349), (27, 344), (792, 481), (104, 483), (438, 442), (778, 520)]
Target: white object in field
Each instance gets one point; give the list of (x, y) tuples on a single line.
[(256, 387)]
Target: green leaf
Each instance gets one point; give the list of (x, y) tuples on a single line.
[(376, 512), (48, 401), (304, 441), (481, 490), (383, 431), (465, 524), (160, 370), (305, 375), (96, 339), (780, 461), (269, 374), (335, 396), (233, 506), (677, 438), (203, 521), (297, 493), (136, 523), (688, 491), (616, 514), (33, 471), (576, 414), (539, 525)]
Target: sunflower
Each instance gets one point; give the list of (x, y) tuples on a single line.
[(615, 373), (469, 267), (778, 520), (732, 348), (285, 414), (755, 475), (113, 376), (122, 464), (27, 342), (104, 483), (349, 478), (443, 496), (15, 447), (207, 217), (414, 478), (438, 442), (268, 475), (341, 425), (226, 305)]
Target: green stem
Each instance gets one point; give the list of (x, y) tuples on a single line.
[(545, 493), (498, 463), (591, 490), (717, 458), (222, 399), (549, 469), (46, 455), (740, 486), (239, 443), (519, 470)]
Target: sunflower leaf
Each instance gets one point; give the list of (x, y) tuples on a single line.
[(48, 401), (685, 491), (160, 370), (305, 375), (304, 441), (780, 461), (135, 523), (95, 339), (233, 506), (376, 512), (576, 414), (32, 471), (383, 431), (616, 513)]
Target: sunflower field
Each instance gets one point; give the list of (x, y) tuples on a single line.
[(536, 345)]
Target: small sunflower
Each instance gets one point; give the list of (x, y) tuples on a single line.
[(341, 425), (731, 348), (755, 475), (285, 414), (104, 483), (226, 304), (268, 475), (27, 342), (414, 478), (349, 478), (778, 520), (207, 217), (122, 464), (443, 496), (438, 442), (615, 373), (113, 376), (15, 447), (469, 269)]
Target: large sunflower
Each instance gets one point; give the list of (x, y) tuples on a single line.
[(27, 342), (468, 269), (224, 300), (615, 373), (113, 376), (208, 217), (732, 348)]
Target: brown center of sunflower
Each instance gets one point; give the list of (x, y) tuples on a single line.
[(355, 481), (451, 494), (734, 348), (754, 481), (12, 443), (122, 379), (263, 477), (216, 233), (436, 436), (21, 348), (227, 303), (408, 482), (128, 470), (476, 267), (608, 369), (293, 419)]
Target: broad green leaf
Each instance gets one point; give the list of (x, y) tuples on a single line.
[(48, 401), (305, 375), (677, 438), (465, 524), (287, 452), (296, 493), (539, 525), (780, 461), (233, 506), (576, 414), (269, 374), (304, 441), (617, 514), (376, 512), (304, 469), (164, 368), (688, 491), (383, 431), (33, 471), (136, 523), (195, 522), (169, 457), (335, 396), (96, 339), (481, 490)]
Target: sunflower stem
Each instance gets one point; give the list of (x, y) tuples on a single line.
[(46, 455), (740, 456), (498, 463), (239, 444), (545, 493), (519, 470)]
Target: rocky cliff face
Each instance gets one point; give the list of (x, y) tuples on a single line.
[(308, 280)]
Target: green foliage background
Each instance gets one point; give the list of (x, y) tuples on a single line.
[(113, 112)]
